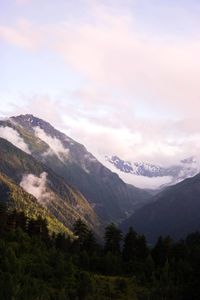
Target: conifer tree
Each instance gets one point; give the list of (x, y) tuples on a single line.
[(130, 246), (113, 238)]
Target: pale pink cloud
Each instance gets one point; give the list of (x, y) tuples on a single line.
[(23, 35), (114, 53)]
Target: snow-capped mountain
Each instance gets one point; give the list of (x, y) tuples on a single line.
[(185, 168)]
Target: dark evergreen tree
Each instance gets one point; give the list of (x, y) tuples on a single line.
[(130, 246), (142, 250), (135, 247), (162, 250), (113, 238), (90, 244), (80, 230)]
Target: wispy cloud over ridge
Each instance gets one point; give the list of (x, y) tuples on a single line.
[(56, 146), (13, 136)]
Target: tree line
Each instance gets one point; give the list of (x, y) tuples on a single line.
[(37, 265)]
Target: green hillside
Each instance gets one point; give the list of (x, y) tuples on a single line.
[(16, 198)]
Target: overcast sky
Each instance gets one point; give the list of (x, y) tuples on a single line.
[(120, 76)]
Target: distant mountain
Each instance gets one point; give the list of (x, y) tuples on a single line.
[(16, 198), (62, 201), (175, 212), (186, 168), (109, 196)]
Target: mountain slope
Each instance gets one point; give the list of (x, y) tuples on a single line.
[(62, 200), (174, 212), (16, 198), (111, 198)]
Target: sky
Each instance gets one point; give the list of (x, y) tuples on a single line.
[(121, 77)]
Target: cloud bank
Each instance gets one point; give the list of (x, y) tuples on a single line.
[(13, 137)]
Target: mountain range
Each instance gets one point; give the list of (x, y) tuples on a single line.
[(64, 177), (183, 169), (43, 172)]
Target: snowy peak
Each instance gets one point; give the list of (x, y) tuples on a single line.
[(124, 166), (186, 168), (136, 168)]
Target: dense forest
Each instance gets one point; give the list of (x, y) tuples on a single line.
[(37, 265)]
